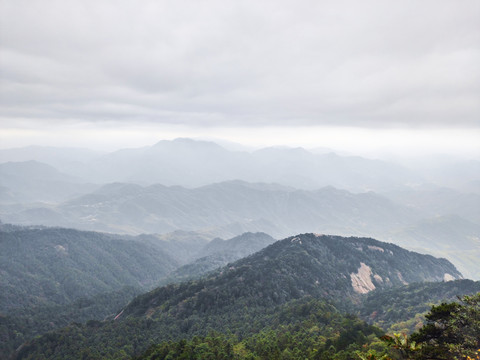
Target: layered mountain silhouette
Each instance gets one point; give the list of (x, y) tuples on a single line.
[(193, 163), (32, 181), (224, 209)]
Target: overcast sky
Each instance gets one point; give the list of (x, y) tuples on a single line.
[(344, 74)]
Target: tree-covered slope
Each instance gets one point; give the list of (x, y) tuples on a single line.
[(300, 329), (23, 324), (218, 253), (403, 308), (226, 209), (307, 264), (305, 329), (244, 297), (56, 266)]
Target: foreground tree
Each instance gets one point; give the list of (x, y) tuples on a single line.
[(452, 331)]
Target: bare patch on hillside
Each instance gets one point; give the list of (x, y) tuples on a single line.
[(362, 280)]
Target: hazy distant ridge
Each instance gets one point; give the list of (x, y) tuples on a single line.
[(194, 163)]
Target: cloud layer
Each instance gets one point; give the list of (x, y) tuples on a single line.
[(370, 64)]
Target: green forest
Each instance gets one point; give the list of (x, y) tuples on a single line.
[(294, 299)]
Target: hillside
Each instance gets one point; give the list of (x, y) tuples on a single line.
[(46, 266), (218, 253), (307, 264), (444, 236), (25, 316), (246, 296), (23, 324), (224, 209), (402, 309)]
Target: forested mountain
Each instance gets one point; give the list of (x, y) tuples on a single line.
[(451, 332), (60, 275), (408, 209), (307, 264), (182, 246), (402, 309), (304, 329), (24, 323), (225, 209), (293, 330), (248, 295), (242, 245), (45, 266), (218, 253)]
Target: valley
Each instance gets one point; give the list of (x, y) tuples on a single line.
[(239, 180), (147, 266)]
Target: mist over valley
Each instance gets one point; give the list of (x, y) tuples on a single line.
[(239, 180)]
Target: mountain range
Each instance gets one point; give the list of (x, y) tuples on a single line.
[(192, 163), (44, 266), (231, 208), (169, 250), (250, 294)]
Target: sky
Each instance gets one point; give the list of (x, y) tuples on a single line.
[(360, 76)]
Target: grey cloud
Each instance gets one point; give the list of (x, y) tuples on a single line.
[(366, 64)]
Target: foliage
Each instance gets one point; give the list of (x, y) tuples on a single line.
[(452, 330), (23, 324), (402, 309), (54, 266), (218, 253), (321, 335), (269, 298)]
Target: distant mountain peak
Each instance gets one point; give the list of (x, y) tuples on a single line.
[(188, 142)]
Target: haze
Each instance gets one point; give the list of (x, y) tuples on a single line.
[(242, 179), (369, 78)]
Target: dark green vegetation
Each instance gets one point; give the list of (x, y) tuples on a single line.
[(308, 264), (52, 277), (218, 253), (308, 329), (403, 309), (298, 326), (47, 266), (23, 324), (452, 331), (251, 299)]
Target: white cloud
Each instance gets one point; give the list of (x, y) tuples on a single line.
[(241, 63)]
